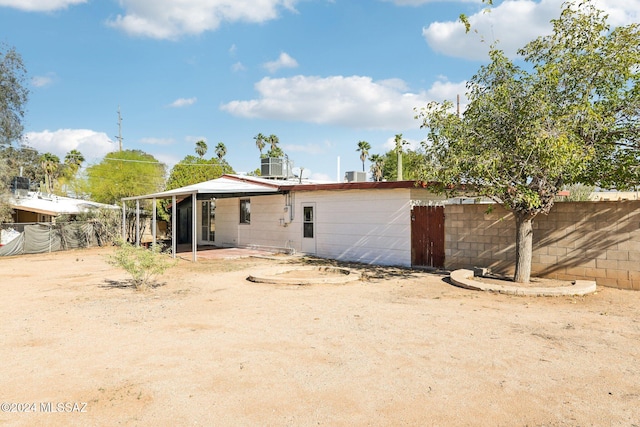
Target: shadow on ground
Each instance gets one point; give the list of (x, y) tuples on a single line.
[(127, 284), (370, 272)]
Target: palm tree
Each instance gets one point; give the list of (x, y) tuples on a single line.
[(274, 151), (73, 159), (399, 143), (260, 142), (50, 164), (377, 163), (221, 151), (201, 148), (363, 148)]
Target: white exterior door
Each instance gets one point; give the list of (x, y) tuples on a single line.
[(309, 228)]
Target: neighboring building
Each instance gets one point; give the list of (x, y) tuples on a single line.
[(37, 207), (370, 222)]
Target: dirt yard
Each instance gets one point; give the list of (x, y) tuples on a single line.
[(210, 348)]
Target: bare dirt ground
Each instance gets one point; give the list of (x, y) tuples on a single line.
[(395, 348)]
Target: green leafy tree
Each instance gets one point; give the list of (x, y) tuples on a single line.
[(124, 173), (13, 99), (526, 134), (413, 165), (23, 159), (363, 148), (201, 148), (5, 206), (13, 95), (221, 151), (192, 170), (261, 142)]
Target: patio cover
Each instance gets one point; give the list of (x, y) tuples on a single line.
[(225, 186)]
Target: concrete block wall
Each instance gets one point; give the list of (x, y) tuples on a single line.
[(578, 240)]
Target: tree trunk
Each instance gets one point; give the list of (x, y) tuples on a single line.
[(524, 247)]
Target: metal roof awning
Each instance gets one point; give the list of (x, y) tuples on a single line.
[(225, 186)]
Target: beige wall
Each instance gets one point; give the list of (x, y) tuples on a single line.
[(577, 240)]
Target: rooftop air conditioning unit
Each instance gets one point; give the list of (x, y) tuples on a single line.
[(355, 176), (20, 186), (275, 167)]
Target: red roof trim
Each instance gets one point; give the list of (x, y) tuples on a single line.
[(351, 186)]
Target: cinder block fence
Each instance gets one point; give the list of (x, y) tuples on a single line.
[(577, 240)]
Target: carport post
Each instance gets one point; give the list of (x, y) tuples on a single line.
[(153, 223), (194, 226), (124, 220), (137, 222), (173, 226)]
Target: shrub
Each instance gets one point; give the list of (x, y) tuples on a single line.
[(142, 264)]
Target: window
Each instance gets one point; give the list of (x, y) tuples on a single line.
[(245, 211), (307, 222)]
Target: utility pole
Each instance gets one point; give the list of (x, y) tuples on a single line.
[(119, 137)]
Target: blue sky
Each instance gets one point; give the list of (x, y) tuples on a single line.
[(321, 75)]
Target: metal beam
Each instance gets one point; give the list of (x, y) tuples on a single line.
[(137, 222), (124, 221), (194, 226), (153, 223), (173, 226)]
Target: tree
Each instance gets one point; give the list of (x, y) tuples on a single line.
[(413, 165), (377, 163), (50, 167), (22, 160), (5, 206), (274, 150), (221, 151), (261, 142), (73, 160), (124, 173), (192, 170), (524, 135), (13, 99), (363, 148), (201, 148), (13, 95), (69, 184)]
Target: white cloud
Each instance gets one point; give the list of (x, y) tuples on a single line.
[(238, 66), (169, 19), (421, 2), (40, 5), (93, 145), (183, 102), (43, 81), (283, 61), (513, 23), (355, 102)]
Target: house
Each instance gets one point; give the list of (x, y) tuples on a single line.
[(384, 223)]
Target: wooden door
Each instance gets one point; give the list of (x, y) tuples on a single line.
[(427, 236)]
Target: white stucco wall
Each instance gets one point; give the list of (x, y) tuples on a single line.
[(369, 226), (265, 229)]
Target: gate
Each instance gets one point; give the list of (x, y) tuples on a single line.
[(427, 236)]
